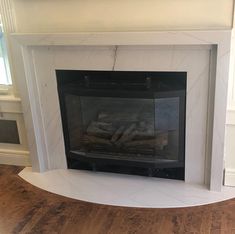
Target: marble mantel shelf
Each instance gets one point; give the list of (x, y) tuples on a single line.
[(125, 38)]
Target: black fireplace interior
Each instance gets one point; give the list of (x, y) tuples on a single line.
[(124, 121)]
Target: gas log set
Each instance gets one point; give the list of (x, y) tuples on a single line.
[(124, 132)]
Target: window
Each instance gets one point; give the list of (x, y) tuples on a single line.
[(5, 78)]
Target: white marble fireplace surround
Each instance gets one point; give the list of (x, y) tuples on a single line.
[(204, 55)]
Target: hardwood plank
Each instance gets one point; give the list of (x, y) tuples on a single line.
[(27, 209)]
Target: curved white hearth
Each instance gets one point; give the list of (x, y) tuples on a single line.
[(124, 190)]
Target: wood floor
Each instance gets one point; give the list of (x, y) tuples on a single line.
[(27, 209)]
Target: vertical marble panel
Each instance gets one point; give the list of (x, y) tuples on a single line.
[(46, 61)]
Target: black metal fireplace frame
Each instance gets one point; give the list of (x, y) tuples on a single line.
[(79, 83)]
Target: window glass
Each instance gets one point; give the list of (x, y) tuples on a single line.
[(4, 66)]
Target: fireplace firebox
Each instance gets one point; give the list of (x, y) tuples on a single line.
[(124, 121)]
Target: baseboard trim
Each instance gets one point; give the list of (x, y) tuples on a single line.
[(229, 177), (18, 158)]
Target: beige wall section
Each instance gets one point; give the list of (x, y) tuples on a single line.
[(121, 15)]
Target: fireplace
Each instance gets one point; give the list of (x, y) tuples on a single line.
[(124, 121), (203, 55)]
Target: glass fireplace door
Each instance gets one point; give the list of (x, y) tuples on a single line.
[(131, 129), (124, 122)]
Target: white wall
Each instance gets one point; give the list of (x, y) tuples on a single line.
[(121, 15)]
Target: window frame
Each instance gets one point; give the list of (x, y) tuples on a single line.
[(7, 87)]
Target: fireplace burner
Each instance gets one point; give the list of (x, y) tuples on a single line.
[(124, 122)]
